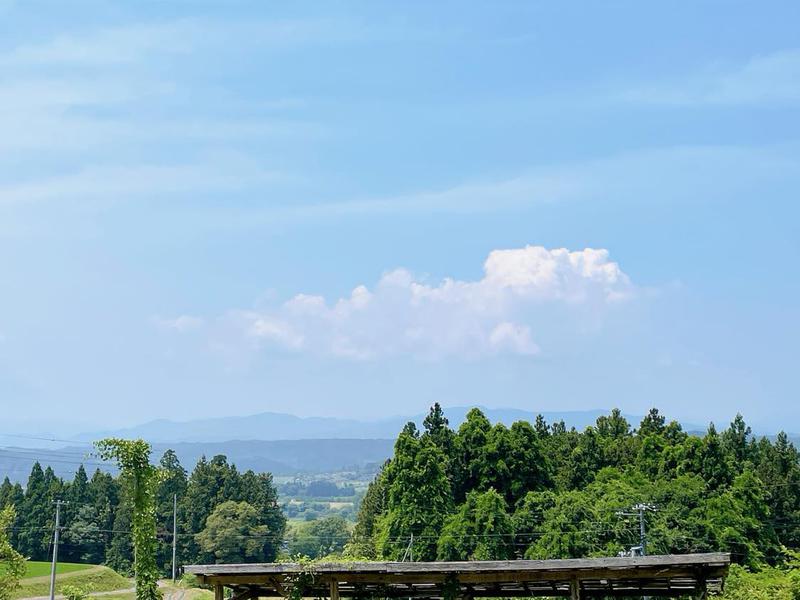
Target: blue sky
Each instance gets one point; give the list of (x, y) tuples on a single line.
[(359, 209)]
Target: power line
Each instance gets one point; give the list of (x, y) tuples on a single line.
[(45, 439)]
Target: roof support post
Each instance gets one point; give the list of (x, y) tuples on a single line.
[(702, 589), (575, 590), (219, 591), (334, 589)]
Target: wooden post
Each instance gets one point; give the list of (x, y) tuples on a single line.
[(702, 589), (334, 589), (219, 591), (574, 590)]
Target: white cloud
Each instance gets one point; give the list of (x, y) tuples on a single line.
[(770, 79), (405, 316), (515, 338), (183, 323)]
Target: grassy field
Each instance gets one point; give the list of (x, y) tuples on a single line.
[(89, 577), (40, 568)]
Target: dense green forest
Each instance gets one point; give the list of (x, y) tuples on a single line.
[(97, 524), (539, 490)]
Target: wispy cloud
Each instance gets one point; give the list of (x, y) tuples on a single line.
[(769, 79), (105, 46), (182, 323), (109, 184), (132, 43), (674, 175), (405, 316)]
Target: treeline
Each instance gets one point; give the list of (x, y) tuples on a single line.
[(319, 488), (539, 490), (222, 515)]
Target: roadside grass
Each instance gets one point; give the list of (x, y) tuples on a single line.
[(184, 590), (198, 594), (92, 579)]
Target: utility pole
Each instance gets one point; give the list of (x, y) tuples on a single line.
[(638, 511), (56, 531), (409, 550), (174, 534)]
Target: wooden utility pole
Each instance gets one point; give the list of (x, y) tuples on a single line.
[(174, 535), (56, 531)]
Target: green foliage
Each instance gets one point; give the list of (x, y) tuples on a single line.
[(480, 530), (545, 491), (372, 507), (98, 521), (419, 496), (12, 563), (213, 482), (233, 533), (767, 584), (296, 584), (74, 592), (140, 479), (322, 537)]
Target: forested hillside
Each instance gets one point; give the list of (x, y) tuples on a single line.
[(539, 490), (97, 524), (483, 491)]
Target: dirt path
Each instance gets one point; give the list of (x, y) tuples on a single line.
[(170, 593), (90, 594), (175, 594)]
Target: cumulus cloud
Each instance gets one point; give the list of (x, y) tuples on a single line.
[(406, 316)]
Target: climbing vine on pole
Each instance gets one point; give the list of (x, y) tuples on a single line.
[(141, 479), (12, 563)]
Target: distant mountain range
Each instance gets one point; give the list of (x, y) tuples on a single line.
[(280, 457), (281, 426), (283, 444)]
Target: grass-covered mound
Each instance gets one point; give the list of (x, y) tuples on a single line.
[(90, 578), (35, 568)]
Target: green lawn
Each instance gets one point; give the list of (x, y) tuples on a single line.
[(39, 568)]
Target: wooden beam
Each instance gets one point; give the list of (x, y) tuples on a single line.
[(334, 590), (219, 591)]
